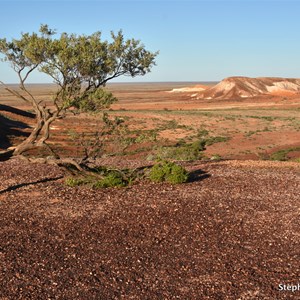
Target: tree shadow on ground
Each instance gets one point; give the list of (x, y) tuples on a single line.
[(16, 111), (17, 186), (198, 175), (10, 128)]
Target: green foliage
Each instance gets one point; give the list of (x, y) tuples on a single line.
[(182, 151), (102, 177), (176, 153), (146, 136), (249, 133), (202, 133), (168, 171), (206, 140), (281, 155), (172, 124), (215, 139), (79, 65), (216, 157), (107, 131), (198, 145), (71, 181), (94, 101), (112, 179)]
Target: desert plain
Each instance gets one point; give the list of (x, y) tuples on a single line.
[(231, 232)]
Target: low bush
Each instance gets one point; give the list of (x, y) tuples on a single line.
[(101, 177), (215, 139), (182, 151), (216, 157), (112, 179), (108, 178), (73, 181), (201, 133), (282, 155), (168, 171)]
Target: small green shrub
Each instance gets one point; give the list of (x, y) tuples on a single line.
[(182, 151), (112, 179), (216, 139), (172, 124), (249, 133), (177, 175), (202, 133), (216, 157), (168, 171), (102, 177), (73, 181), (282, 155), (157, 173), (198, 145)]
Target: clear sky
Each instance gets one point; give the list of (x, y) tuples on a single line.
[(197, 40)]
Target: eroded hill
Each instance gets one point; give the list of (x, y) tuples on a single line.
[(243, 87)]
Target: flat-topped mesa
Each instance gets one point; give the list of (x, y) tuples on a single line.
[(242, 87)]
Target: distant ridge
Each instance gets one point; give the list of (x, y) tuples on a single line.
[(241, 87)]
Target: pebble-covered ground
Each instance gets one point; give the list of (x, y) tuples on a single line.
[(232, 233)]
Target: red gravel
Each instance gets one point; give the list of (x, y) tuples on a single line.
[(231, 234)]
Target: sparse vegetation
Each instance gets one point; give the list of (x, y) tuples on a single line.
[(182, 151), (282, 155), (172, 124), (216, 157), (202, 133), (107, 178), (112, 179), (73, 181), (169, 172), (215, 139), (102, 177)]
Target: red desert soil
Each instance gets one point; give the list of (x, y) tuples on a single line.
[(232, 233)]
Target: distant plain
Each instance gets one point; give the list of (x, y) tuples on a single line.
[(251, 128)]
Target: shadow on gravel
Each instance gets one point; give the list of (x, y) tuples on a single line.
[(8, 128), (198, 175), (17, 186)]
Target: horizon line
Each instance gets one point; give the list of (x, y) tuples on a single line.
[(128, 82)]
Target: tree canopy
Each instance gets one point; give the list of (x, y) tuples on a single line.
[(80, 66)]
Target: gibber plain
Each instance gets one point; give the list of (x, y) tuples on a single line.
[(230, 232)]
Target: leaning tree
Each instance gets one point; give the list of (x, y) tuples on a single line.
[(79, 65)]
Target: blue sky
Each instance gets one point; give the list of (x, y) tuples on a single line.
[(197, 40)]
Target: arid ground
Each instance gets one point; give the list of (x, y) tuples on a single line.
[(251, 128), (232, 232)]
